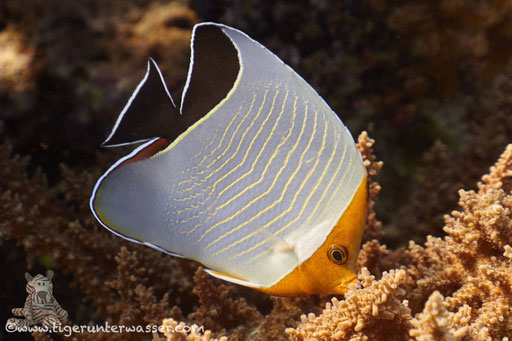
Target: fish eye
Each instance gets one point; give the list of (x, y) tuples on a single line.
[(338, 254)]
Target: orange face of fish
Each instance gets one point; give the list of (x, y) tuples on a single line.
[(331, 269)]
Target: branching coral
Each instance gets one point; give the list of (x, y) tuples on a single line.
[(33, 215), (180, 331), (364, 145), (435, 322), (365, 314), (471, 267), (479, 274), (139, 285), (218, 310)]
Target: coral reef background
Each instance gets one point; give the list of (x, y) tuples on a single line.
[(429, 81)]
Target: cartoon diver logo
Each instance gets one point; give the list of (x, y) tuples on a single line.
[(40, 306)]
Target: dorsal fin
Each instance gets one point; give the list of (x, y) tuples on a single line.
[(213, 70), (150, 112)]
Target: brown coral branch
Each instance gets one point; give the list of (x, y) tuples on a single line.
[(435, 322), (470, 266), (457, 287), (365, 147), (43, 221), (365, 314), (218, 310), (180, 331)]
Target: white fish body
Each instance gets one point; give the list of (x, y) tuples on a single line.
[(251, 189)]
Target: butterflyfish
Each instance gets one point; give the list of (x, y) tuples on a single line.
[(251, 175)]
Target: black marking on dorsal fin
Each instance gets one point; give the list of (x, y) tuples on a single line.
[(150, 112), (213, 70)]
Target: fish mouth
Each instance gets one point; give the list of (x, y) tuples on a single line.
[(348, 284)]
